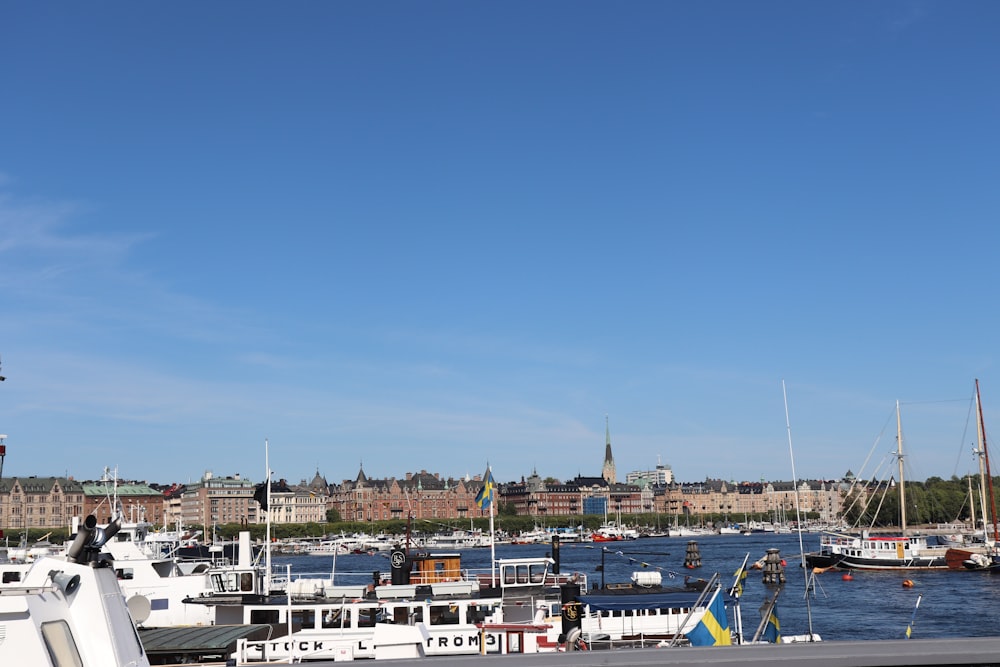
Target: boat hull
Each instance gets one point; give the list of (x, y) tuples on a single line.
[(893, 564)]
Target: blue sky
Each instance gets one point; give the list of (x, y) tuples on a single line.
[(428, 235)]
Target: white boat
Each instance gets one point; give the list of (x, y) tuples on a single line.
[(613, 532), (870, 551), (433, 607), (68, 611), (457, 539), (689, 531)]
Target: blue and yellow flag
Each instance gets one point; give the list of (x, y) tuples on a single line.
[(741, 575), (484, 499), (772, 631), (713, 629)]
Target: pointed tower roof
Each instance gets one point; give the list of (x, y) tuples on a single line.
[(319, 483), (608, 470)]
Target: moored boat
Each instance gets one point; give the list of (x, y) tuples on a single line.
[(868, 551), (985, 556)]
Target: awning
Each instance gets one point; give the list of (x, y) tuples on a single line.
[(200, 639)]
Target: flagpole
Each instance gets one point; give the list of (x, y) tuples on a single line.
[(485, 499), (913, 618), (765, 616), (736, 591), (493, 550)]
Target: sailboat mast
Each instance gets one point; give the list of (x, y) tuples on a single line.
[(981, 456), (899, 455), (986, 458)]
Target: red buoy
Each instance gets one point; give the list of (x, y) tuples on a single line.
[(847, 577)]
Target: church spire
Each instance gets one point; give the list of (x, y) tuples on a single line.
[(608, 471)]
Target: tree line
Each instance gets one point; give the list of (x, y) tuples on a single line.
[(933, 501)]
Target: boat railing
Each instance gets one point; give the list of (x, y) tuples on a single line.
[(599, 641), (280, 577)]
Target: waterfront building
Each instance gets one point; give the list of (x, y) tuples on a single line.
[(295, 503), (662, 475), (39, 502), (219, 500), (422, 496), (139, 501), (534, 497), (173, 515)]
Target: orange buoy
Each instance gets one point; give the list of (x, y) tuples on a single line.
[(847, 577), (907, 583)]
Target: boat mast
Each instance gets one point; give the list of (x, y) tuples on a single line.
[(798, 518), (899, 455), (986, 458), (267, 524), (972, 501)]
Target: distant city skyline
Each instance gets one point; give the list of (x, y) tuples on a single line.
[(441, 235)]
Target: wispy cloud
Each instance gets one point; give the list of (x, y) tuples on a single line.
[(910, 14)]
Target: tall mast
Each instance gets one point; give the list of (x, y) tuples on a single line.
[(899, 455), (981, 457), (986, 458), (267, 525)]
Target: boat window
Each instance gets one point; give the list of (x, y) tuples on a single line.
[(303, 618), (263, 616), (333, 618), (124, 572), (477, 613), (61, 645), (367, 617), (444, 615), (225, 583), (246, 582), (9, 577), (400, 615)]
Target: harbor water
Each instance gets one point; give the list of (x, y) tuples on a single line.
[(865, 606)]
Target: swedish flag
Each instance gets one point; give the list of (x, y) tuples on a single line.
[(741, 575), (772, 631), (484, 499), (713, 629)]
